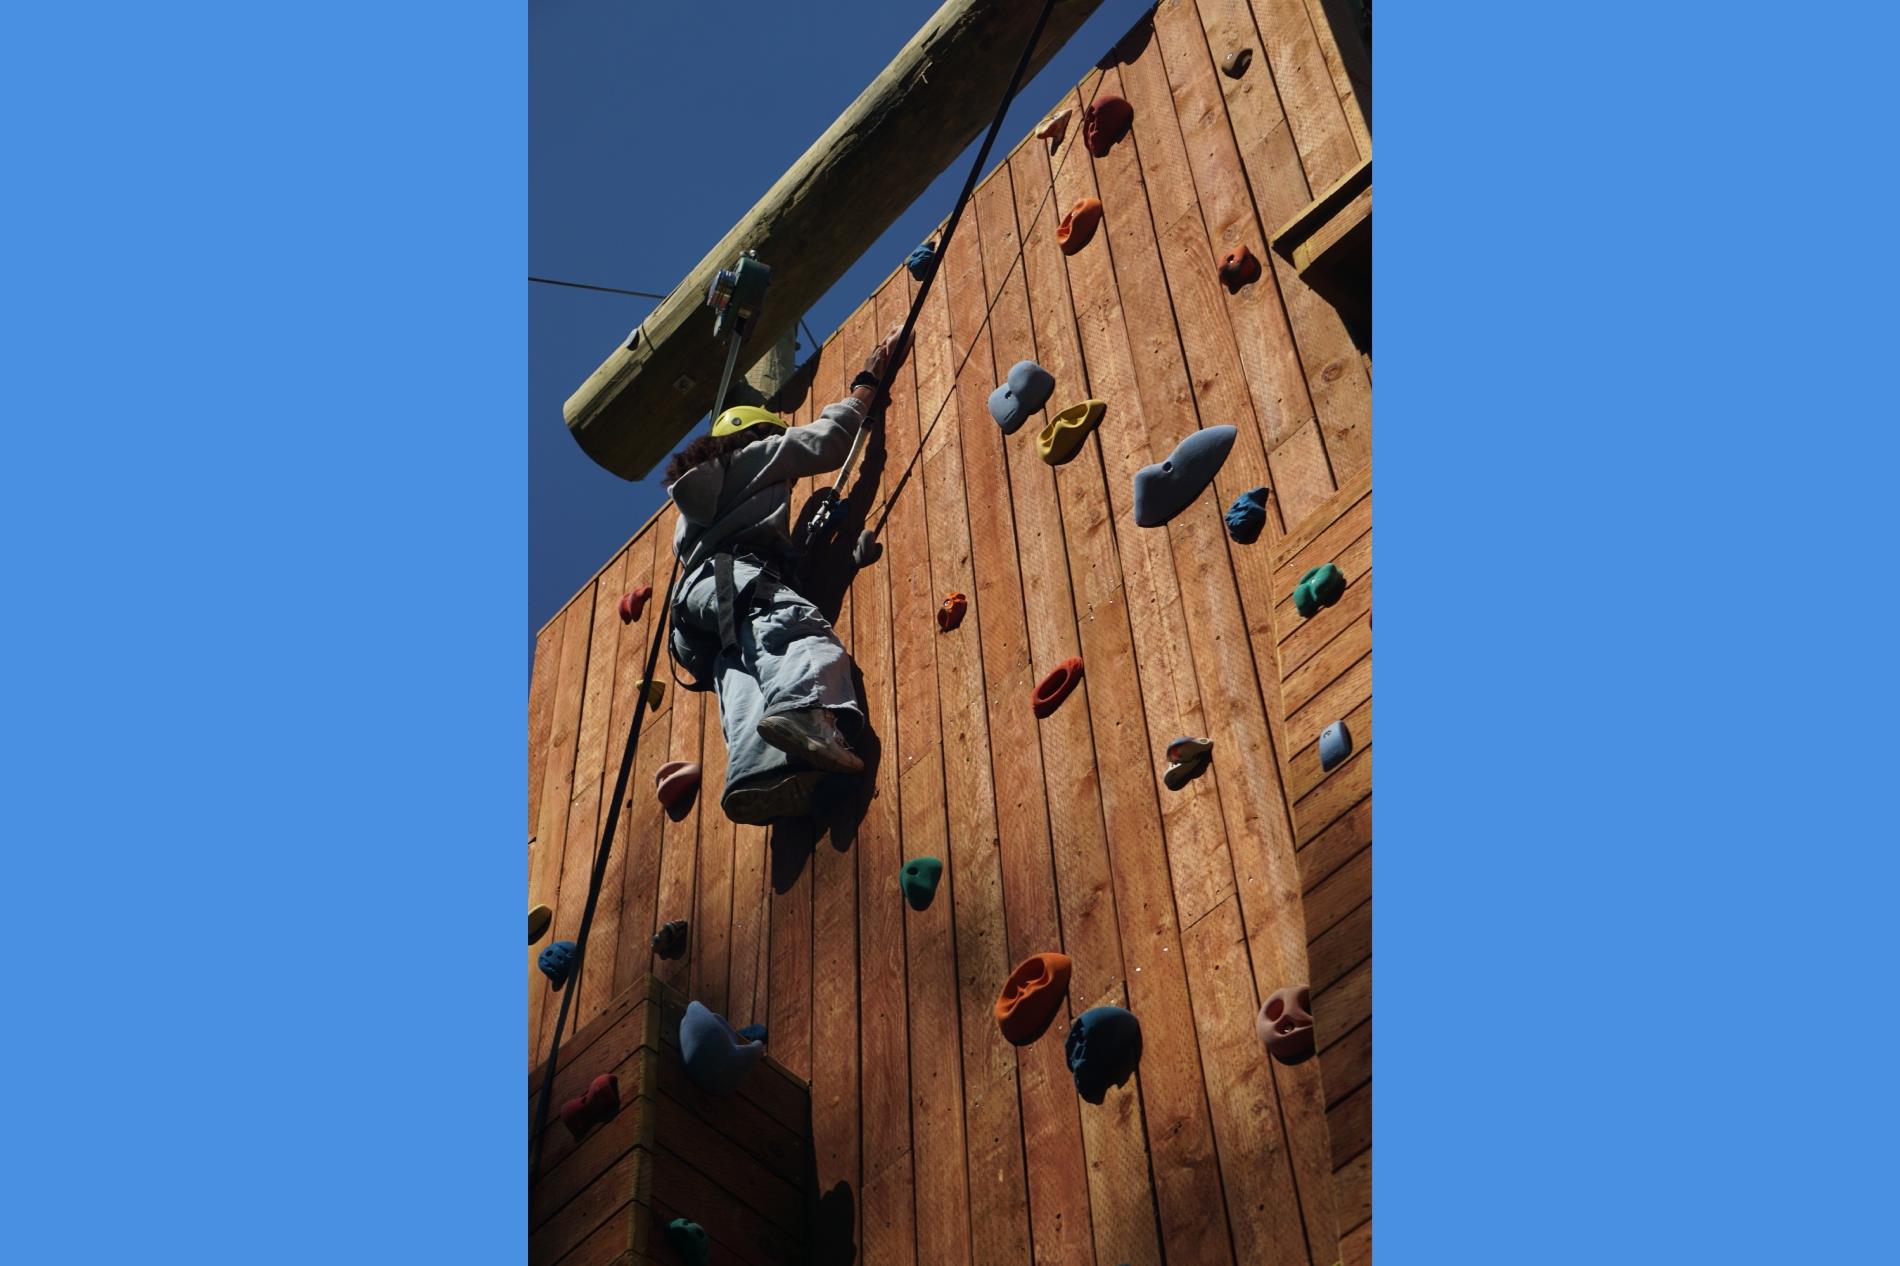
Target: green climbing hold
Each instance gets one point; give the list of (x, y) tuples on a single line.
[(919, 881), (1319, 587), (690, 1241)]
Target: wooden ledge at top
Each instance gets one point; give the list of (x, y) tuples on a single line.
[(1330, 244)]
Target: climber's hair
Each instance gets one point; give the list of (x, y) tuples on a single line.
[(714, 448)]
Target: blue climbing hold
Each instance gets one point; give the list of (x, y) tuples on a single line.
[(753, 1033), (1247, 516), (1025, 390), (556, 961), (717, 1057), (1335, 745), (1103, 1047), (1167, 488), (922, 261)]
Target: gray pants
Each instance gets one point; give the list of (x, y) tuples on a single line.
[(788, 659)]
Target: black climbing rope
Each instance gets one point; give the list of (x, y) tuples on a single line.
[(643, 704), (817, 522)]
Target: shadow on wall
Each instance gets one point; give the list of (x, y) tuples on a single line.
[(831, 1232)]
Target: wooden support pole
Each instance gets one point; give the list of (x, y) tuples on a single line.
[(855, 180)]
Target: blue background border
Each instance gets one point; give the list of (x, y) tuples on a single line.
[(263, 512)]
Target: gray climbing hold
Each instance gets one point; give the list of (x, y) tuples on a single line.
[(1235, 64), (717, 1058), (1167, 488), (1024, 391), (1335, 745)]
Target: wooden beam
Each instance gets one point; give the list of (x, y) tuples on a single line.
[(1330, 243), (939, 92)]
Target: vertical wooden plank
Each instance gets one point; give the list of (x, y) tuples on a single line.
[(1051, 1141), (942, 1199), (1348, 64), (749, 906), (547, 667), (712, 888), (789, 847), (1136, 652), (679, 837), (544, 854), (834, 986), (992, 1113), (1307, 93), (629, 649), (885, 1207), (1122, 1208), (584, 813), (1247, 793), (642, 830)]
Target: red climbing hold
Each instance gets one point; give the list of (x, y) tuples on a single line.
[(633, 602), (1238, 268), (1053, 689), (1078, 227), (950, 614), (597, 1107), (1105, 121), (675, 781)]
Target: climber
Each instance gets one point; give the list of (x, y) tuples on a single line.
[(739, 627)]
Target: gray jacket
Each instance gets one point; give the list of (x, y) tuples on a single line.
[(744, 505)]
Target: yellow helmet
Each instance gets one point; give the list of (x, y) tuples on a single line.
[(741, 416)]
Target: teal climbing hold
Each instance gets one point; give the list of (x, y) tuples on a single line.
[(1320, 587), (690, 1241), (919, 881)]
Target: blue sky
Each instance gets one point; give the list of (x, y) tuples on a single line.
[(651, 130)]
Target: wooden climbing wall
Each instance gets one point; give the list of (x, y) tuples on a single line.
[(936, 1142)]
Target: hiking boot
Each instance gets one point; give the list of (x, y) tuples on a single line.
[(811, 734), (772, 796)]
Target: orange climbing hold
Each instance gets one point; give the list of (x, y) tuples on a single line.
[(1031, 997), (1078, 227), (950, 614), (1053, 689)]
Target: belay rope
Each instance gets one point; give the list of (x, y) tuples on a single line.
[(643, 703), (817, 522)]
